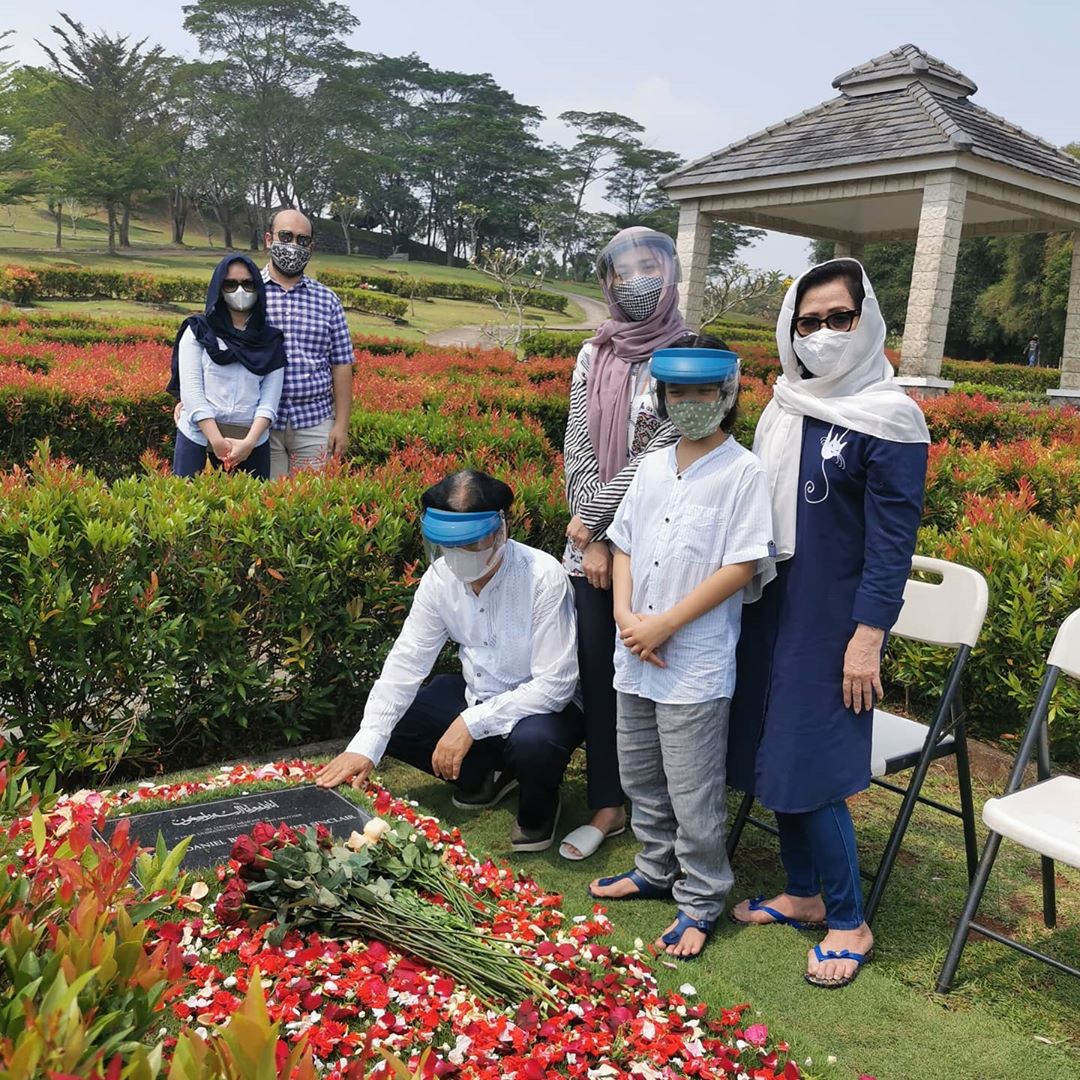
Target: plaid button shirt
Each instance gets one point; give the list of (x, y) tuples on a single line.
[(316, 339)]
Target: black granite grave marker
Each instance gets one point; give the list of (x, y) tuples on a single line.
[(214, 826)]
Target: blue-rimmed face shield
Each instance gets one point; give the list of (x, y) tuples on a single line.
[(470, 544)]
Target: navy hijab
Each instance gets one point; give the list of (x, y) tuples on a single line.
[(259, 346)]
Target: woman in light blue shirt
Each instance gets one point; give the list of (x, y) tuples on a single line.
[(228, 367)]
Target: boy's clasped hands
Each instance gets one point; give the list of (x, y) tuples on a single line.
[(644, 634)]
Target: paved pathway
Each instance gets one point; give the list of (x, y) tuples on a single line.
[(473, 337)]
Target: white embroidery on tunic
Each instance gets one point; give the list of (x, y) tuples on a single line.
[(832, 449)]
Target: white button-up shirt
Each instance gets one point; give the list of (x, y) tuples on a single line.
[(679, 529), (517, 640)]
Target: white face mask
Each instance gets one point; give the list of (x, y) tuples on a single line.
[(469, 566), (824, 352), (240, 300)]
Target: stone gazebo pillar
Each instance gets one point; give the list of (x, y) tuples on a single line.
[(940, 223), (694, 239), (1069, 393)]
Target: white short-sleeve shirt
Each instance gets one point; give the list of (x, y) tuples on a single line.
[(679, 528)]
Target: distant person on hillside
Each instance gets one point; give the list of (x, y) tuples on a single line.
[(227, 369), (508, 720), (613, 421), (313, 420), (1033, 351)]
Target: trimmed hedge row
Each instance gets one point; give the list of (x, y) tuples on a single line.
[(23, 286), (556, 343), (1007, 376), (374, 303), (159, 622), (418, 288)]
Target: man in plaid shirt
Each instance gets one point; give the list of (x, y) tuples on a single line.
[(313, 416)]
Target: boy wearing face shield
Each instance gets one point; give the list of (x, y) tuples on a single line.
[(509, 720), (688, 537)]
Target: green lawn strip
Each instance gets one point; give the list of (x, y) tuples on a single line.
[(424, 317)]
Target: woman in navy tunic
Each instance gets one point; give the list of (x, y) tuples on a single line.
[(845, 450)]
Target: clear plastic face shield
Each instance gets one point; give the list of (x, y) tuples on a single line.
[(698, 388), (470, 544), (634, 270)]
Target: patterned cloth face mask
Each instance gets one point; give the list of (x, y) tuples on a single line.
[(290, 259), (638, 296), (697, 419)]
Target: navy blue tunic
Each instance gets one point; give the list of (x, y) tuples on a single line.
[(791, 739)]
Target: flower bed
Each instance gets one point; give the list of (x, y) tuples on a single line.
[(342, 998)]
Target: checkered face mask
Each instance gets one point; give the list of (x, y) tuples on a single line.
[(638, 296)]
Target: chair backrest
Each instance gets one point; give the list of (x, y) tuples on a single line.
[(1065, 652), (950, 612)]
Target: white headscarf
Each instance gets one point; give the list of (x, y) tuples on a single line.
[(861, 395)]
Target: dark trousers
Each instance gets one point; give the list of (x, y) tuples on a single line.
[(536, 751), (189, 458), (819, 856), (596, 665)]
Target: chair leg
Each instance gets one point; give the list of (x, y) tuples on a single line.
[(967, 801), (1049, 892), (896, 837), (967, 916), (739, 823)]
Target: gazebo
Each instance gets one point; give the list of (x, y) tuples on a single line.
[(902, 153)]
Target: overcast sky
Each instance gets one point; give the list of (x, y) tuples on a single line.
[(698, 74)]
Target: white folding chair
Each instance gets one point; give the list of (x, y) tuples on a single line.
[(1045, 818), (949, 614)]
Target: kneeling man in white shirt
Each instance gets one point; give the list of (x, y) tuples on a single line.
[(509, 720)]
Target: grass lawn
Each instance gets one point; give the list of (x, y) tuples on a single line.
[(423, 318), (1008, 1017)]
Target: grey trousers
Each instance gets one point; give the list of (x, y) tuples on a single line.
[(671, 763)]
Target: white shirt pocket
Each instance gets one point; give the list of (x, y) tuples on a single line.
[(699, 536)]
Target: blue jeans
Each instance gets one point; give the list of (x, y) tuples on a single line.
[(189, 459), (819, 856), (536, 751)]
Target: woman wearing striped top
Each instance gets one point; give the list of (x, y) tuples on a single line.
[(613, 421)]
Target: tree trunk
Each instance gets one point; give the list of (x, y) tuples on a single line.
[(110, 209), (57, 210), (348, 241), (179, 214), (125, 226)]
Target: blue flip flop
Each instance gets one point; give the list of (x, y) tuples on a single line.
[(777, 917), (684, 922), (843, 954), (646, 890)]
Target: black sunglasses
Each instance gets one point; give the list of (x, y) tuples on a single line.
[(231, 285), (287, 236), (838, 320)]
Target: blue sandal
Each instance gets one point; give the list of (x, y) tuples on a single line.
[(777, 917), (646, 890), (684, 922), (843, 954)]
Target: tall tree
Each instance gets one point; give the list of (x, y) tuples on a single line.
[(598, 136), (111, 97), (631, 187), (268, 57)]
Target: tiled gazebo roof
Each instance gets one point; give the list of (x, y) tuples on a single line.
[(903, 104)]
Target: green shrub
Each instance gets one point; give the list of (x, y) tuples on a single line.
[(1033, 569), (1007, 376), (416, 288), (157, 622), (19, 284), (373, 302)]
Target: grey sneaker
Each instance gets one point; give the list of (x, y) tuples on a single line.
[(538, 839), (496, 786)]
